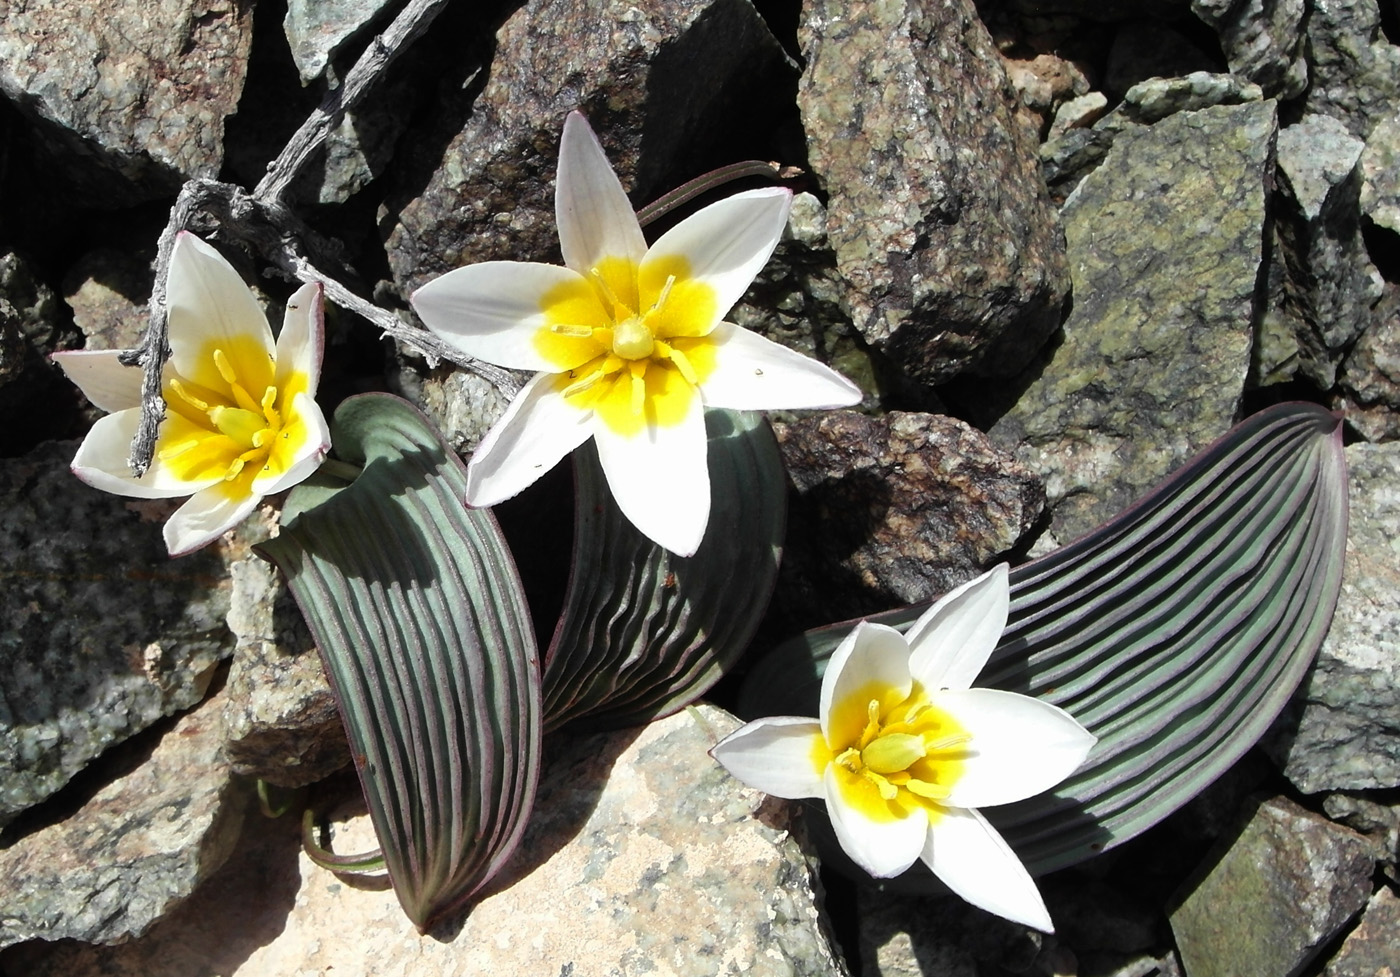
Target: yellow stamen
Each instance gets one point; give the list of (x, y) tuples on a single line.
[(225, 368), (177, 449), (184, 394), (580, 332), (681, 361), (665, 293)]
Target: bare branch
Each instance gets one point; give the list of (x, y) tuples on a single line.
[(411, 22)]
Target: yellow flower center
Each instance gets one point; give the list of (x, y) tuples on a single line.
[(893, 754), (234, 425), (631, 342)]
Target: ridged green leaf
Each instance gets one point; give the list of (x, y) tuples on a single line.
[(1175, 633), (418, 613), (644, 632)]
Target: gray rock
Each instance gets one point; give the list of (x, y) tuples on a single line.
[(1350, 703), (894, 509), (1156, 98), (1078, 113), (101, 633), (141, 89), (1378, 822), (1317, 156), (796, 300), (107, 291), (1355, 71), (1380, 169), (939, 936), (1328, 284), (1370, 949), (940, 223), (643, 857), (316, 28), (137, 848), (1370, 375), (1144, 49), (1068, 158), (1165, 242), (490, 194), (461, 405), (283, 726), (1262, 41), (1286, 886), (29, 322)]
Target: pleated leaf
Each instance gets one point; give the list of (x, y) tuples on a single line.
[(418, 613), (644, 632), (1175, 633)]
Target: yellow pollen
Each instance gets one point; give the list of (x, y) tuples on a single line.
[(895, 753), (581, 332)]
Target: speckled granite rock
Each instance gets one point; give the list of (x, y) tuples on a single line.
[(1156, 98), (315, 28), (30, 329), (101, 633), (1165, 242), (939, 936), (893, 509), (1370, 950), (1262, 41), (1288, 883), (133, 850), (283, 726), (643, 857), (1330, 285), (796, 300), (488, 189), (1380, 169), (1370, 375), (139, 87), (1355, 68), (1350, 703), (461, 405), (107, 290), (936, 211)]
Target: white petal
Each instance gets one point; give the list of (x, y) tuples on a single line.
[(976, 863), (309, 455), (494, 310), (775, 756), (660, 479), (882, 848), (872, 653), (204, 518), (210, 305), (595, 218), (727, 243), (953, 640), (538, 428), (754, 373), (1020, 746), (301, 343), (101, 462), (102, 378)]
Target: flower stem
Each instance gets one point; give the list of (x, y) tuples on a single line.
[(709, 181)]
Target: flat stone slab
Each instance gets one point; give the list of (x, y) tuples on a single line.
[(1287, 885), (643, 856), (1165, 243)]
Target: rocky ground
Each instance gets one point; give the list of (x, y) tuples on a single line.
[(1061, 244)]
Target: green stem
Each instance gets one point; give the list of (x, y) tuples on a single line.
[(708, 181), (367, 862), (342, 470)]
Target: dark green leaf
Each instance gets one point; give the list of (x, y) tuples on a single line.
[(1176, 632), (645, 632), (417, 610)]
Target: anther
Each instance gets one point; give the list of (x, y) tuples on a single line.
[(681, 360), (225, 367)]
